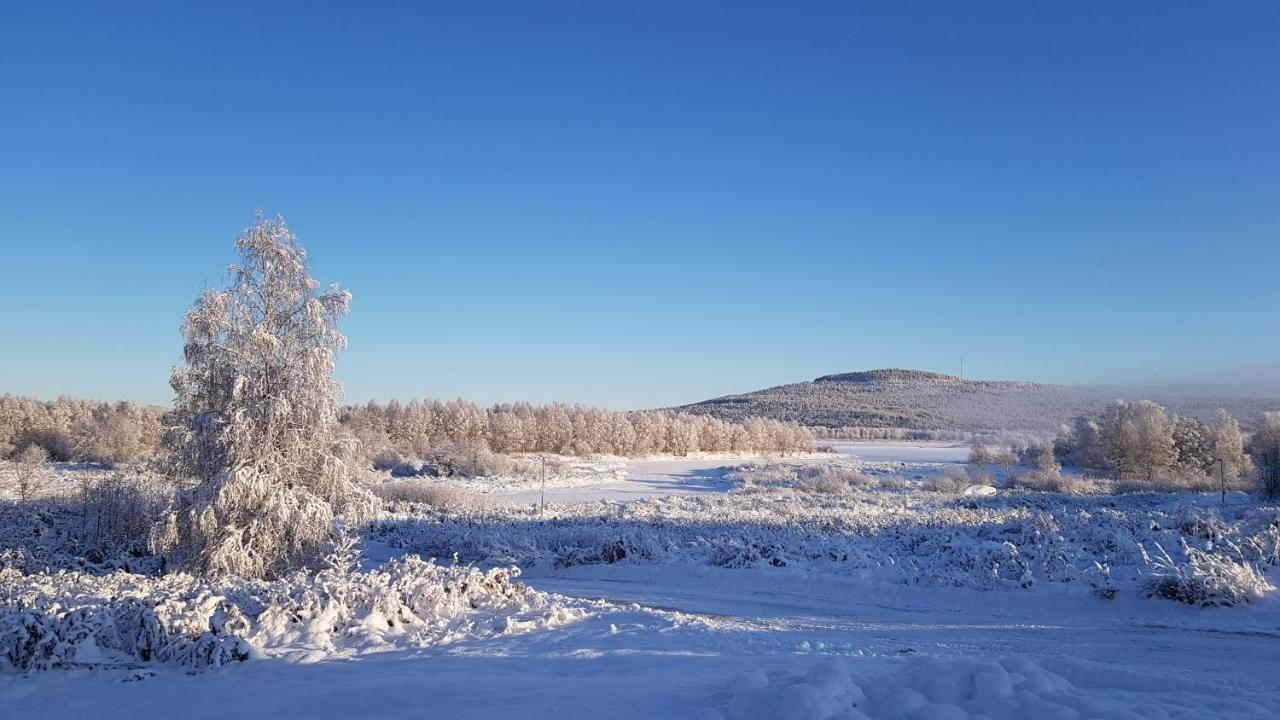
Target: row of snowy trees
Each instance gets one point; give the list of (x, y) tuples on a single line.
[(84, 430), (68, 429), (415, 427), (1142, 441)]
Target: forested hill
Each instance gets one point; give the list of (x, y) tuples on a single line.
[(919, 400)]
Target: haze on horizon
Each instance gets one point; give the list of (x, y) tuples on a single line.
[(648, 206)]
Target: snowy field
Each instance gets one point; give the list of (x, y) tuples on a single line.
[(662, 588), (668, 644), (626, 479)]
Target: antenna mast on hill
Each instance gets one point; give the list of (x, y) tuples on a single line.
[(961, 367)]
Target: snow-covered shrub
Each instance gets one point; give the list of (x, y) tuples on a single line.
[(1013, 540), (255, 420), (766, 476), (397, 465), (435, 493), (1053, 482), (28, 471), (951, 480), (1260, 540), (120, 508), (464, 459), (830, 479), (826, 478), (90, 519), (63, 620), (1206, 578), (1176, 481)]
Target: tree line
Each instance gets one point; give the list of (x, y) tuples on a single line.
[(1142, 441), (67, 429), (413, 428)]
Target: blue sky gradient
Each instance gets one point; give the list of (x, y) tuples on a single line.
[(641, 204)]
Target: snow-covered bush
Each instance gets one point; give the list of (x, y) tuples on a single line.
[(255, 420), (830, 479), (1013, 540), (952, 480), (825, 478), (1180, 481), (1206, 578), (1053, 482), (28, 471), (120, 508), (396, 464), (464, 459), (89, 519), (774, 475), (72, 619), (434, 493)]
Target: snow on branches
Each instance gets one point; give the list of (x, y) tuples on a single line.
[(255, 418)]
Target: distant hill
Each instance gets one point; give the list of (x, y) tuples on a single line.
[(919, 400)]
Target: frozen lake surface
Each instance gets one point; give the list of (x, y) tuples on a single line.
[(633, 479)]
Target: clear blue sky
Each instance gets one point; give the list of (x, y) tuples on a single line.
[(640, 204)]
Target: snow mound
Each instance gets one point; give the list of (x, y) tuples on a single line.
[(1014, 688), (72, 619)]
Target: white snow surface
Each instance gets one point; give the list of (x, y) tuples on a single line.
[(679, 643), (625, 479)]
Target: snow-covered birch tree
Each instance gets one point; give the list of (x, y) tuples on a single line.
[(255, 419)]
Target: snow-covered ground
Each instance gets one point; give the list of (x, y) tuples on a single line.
[(624, 479), (711, 604), (670, 643)]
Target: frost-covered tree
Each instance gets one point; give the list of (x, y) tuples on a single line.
[(1137, 440), (1193, 444), (1046, 464), (1228, 445), (1264, 448), (30, 462), (255, 420), (116, 434)]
